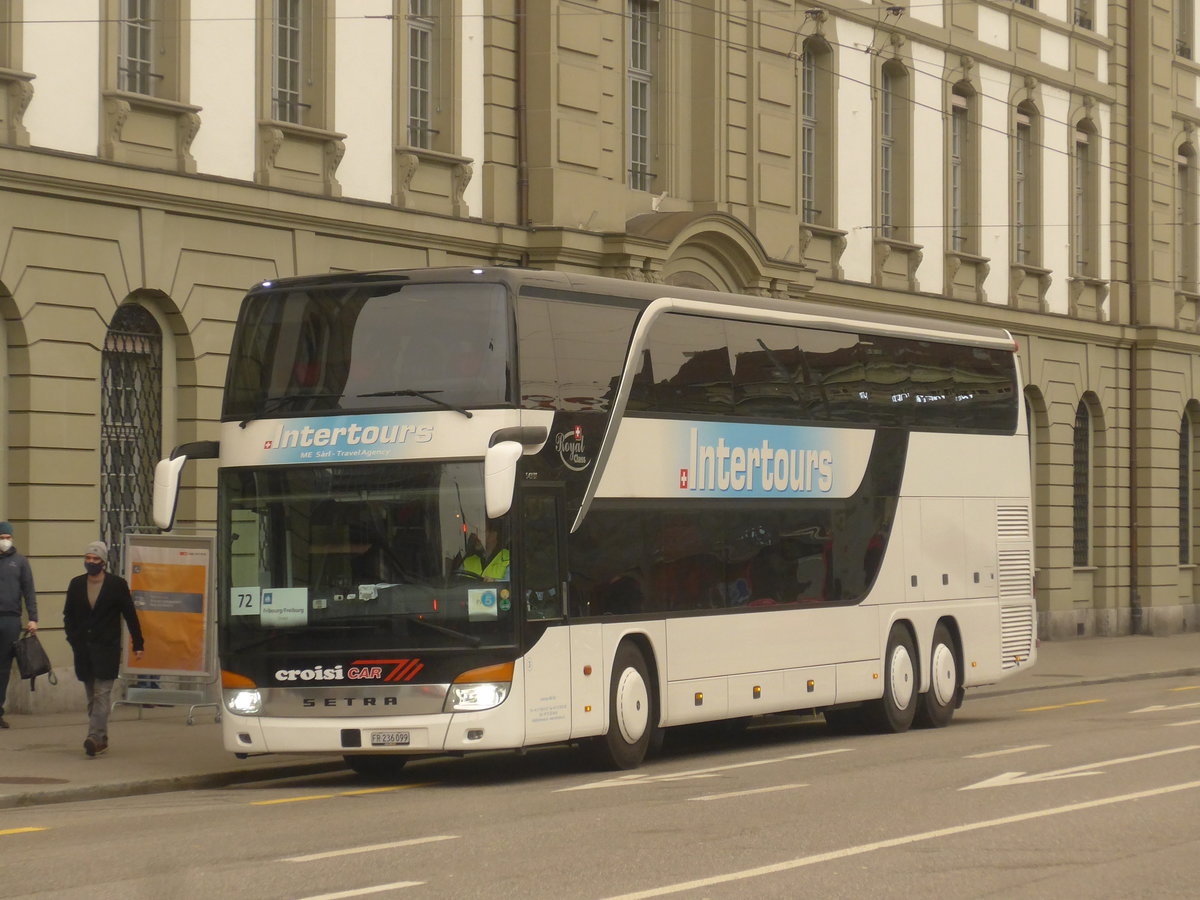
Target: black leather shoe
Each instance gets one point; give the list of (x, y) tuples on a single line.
[(90, 746), (3, 724)]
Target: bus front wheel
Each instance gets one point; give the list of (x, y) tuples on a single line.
[(632, 713), (936, 707), (894, 711)]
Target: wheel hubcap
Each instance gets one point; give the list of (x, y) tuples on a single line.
[(901, 678), (945, 674), (633, 706)]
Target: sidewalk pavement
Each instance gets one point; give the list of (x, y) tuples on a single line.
[(155, 750)]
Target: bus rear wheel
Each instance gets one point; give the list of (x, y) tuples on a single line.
[(936, 707), (380, 766), (895, 710), (632, 713)]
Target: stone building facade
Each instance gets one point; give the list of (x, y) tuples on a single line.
[(1031, 164)]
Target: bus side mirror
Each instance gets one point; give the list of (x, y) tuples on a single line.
[(166, 490), (166, 478), (499, 476)]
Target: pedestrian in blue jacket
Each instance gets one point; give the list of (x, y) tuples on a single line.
[(16, 583)]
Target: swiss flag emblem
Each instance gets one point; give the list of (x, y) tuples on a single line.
[(579, 432), (267, 445), (683, 479)]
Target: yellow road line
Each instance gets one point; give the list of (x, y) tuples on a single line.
[(378, 790), (1062, 705), (291, 800), (1190, 687), (21, 830)]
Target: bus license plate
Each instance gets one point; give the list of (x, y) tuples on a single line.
[(389, 738)]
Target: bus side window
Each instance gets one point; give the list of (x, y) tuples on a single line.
[(540, 560)]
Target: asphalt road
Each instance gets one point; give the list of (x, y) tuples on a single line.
[(1073, 792)]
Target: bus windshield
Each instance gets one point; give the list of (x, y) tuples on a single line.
[(370, 347), (362, 557)]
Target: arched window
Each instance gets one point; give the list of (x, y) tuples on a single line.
[(130, 423), (1081, 530)]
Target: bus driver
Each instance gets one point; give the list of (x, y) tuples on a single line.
[(489, 563)]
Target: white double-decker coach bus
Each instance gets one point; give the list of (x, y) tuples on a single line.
[(470, 509)]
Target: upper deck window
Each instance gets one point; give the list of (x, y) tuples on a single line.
[(370, 347)]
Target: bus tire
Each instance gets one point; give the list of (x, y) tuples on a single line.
[(632, 713), (378, 766), (936, 706), (895, 710)]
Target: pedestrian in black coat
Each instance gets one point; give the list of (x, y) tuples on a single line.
[(96, 603)]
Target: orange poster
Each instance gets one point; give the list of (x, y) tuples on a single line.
[(169, 586)]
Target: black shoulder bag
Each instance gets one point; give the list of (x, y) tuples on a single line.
[(32, 660)]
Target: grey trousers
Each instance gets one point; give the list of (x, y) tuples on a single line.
[(99, 699)]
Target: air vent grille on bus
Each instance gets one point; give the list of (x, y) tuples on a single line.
[(1016, 635), (1012, 522), (1016, 574)]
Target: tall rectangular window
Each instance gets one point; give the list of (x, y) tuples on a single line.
[(808, 135), (1021, 169), (1185, 222), (421, 42), (1083, 204), (641, 94), (958, 172), (286, 97), (136, 54), (1185, 28), (887, 152)]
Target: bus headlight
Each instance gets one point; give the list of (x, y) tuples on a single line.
[(244, 703), (479, 689)]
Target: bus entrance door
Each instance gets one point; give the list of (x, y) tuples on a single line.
[(542, 572)]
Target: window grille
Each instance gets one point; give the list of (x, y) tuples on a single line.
[(1185, 491), (134, 62), (286, 96), (421, 26), (130, 424), (1082, 501)]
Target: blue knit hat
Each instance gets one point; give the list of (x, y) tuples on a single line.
[(5, 528)]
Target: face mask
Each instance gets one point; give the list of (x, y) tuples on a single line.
[(5, 545), (94, 568)]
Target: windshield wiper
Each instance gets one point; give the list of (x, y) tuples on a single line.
[(442, 629), (270, 404), (424, 395)]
